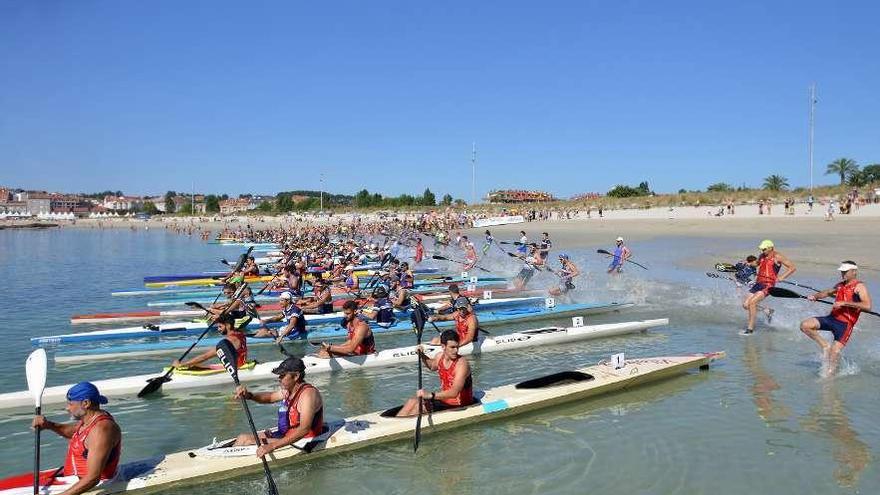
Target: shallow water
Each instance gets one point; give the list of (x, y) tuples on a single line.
[(761, 421)]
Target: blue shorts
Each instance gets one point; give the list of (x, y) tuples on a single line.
[(836, 327), (758, 287)]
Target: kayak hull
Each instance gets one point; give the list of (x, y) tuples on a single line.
[(489, 318), (220, 460), (130, 386)]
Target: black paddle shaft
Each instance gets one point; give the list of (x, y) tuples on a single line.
[(225, 351)]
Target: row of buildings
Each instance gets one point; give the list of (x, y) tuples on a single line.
[(42, 202)]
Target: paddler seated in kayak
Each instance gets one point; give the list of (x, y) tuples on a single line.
[(567, 274), (300, 408), (454, 295), (382, 311), (456, 382), (466, 323), (95, 439), (400, 297), (226, 327), (233, 305), (360, 338), (348, 279), (250, 268), (291, 314), (321, 301), (406, 279)]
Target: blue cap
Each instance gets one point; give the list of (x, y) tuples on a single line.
[(85, 391)]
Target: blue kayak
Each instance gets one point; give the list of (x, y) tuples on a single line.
[(334, 332), (195, 327), (221, 274), (204, 297)]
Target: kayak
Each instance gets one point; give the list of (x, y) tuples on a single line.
[(359, 270), (131, 385), (487, 318), (96, 318), (221, 459), (208, 297), (265, 278), (197, 326)]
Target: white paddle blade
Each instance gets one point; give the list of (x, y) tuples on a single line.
[(35, 368)]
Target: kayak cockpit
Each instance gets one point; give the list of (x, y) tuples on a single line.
[(392, 413), (555, 380)]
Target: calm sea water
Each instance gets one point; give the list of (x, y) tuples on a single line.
[(762, 421)]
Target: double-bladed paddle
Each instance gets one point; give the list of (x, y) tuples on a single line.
[(35, 369), (628, 260), (444, 258), (790, 294), (229, 358), (799, 285)]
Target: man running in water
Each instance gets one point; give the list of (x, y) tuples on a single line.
[(770, 263), (851, 297), (488, 244), (523, 246), (743, 273), (567, 274), (621, 254)]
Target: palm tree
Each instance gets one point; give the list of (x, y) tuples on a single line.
[(844, 167), (775, 183)]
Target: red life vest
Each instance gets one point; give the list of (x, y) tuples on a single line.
[(447, 376), (77, 464), (368, 344), (288, 415), (242, 350), (846, 292), (461, 326), (768, 269)]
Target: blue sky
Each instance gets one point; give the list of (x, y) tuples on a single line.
[(563, 96)]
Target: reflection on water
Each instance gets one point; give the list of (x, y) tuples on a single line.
[(760, 422), (829, 419), (769, 409)]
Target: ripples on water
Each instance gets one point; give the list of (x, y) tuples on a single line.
[(762, 421)]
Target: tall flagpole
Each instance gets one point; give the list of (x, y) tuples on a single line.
[(812, 124), (474, 174)]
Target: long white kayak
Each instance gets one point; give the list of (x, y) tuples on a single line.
[(223, 460), (103, 318), (196, 327), (128, 386), (500, 316)]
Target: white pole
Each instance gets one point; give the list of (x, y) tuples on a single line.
[(474, 174), (192, 198), (812, 123), (322, 192)]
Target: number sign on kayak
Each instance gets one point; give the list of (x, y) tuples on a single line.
[(550, 303), (577, 321), (618, 361), (487, 294)]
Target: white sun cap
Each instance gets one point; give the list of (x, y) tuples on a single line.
[(847, 266)]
